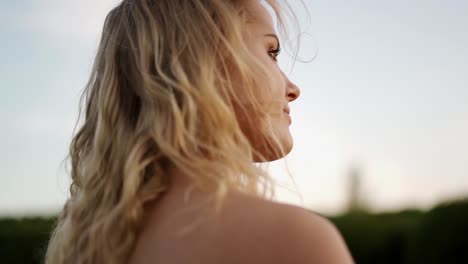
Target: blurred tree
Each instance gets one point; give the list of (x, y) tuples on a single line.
[(357, 202)]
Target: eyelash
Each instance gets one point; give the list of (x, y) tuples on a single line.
[(275, 53)]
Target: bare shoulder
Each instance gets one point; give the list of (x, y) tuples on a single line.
[(281, 233), (249, 230)]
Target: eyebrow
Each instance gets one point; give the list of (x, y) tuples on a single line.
[(273, 36)]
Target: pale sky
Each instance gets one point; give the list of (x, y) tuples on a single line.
[(388, 91)]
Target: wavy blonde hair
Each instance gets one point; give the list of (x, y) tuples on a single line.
[(160, 96)]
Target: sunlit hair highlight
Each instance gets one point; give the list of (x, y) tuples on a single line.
[(160, 96)]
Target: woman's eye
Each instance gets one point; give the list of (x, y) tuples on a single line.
[(274, 53)]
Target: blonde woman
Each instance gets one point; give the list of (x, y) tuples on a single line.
[(184, 101)]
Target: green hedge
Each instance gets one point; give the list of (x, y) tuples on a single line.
[(24, 240), (443, 235), (411, 236), (379, 238)]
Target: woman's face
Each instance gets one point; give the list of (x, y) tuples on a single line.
[(277, 91)]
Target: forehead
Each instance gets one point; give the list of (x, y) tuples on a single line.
[(259, 16)]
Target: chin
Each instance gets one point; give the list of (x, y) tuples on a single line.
[(272, 155), (288, 146)]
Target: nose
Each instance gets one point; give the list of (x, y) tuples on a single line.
[(292, 91)]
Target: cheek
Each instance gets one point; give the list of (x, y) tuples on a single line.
[(272, 85), (273, 99)]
